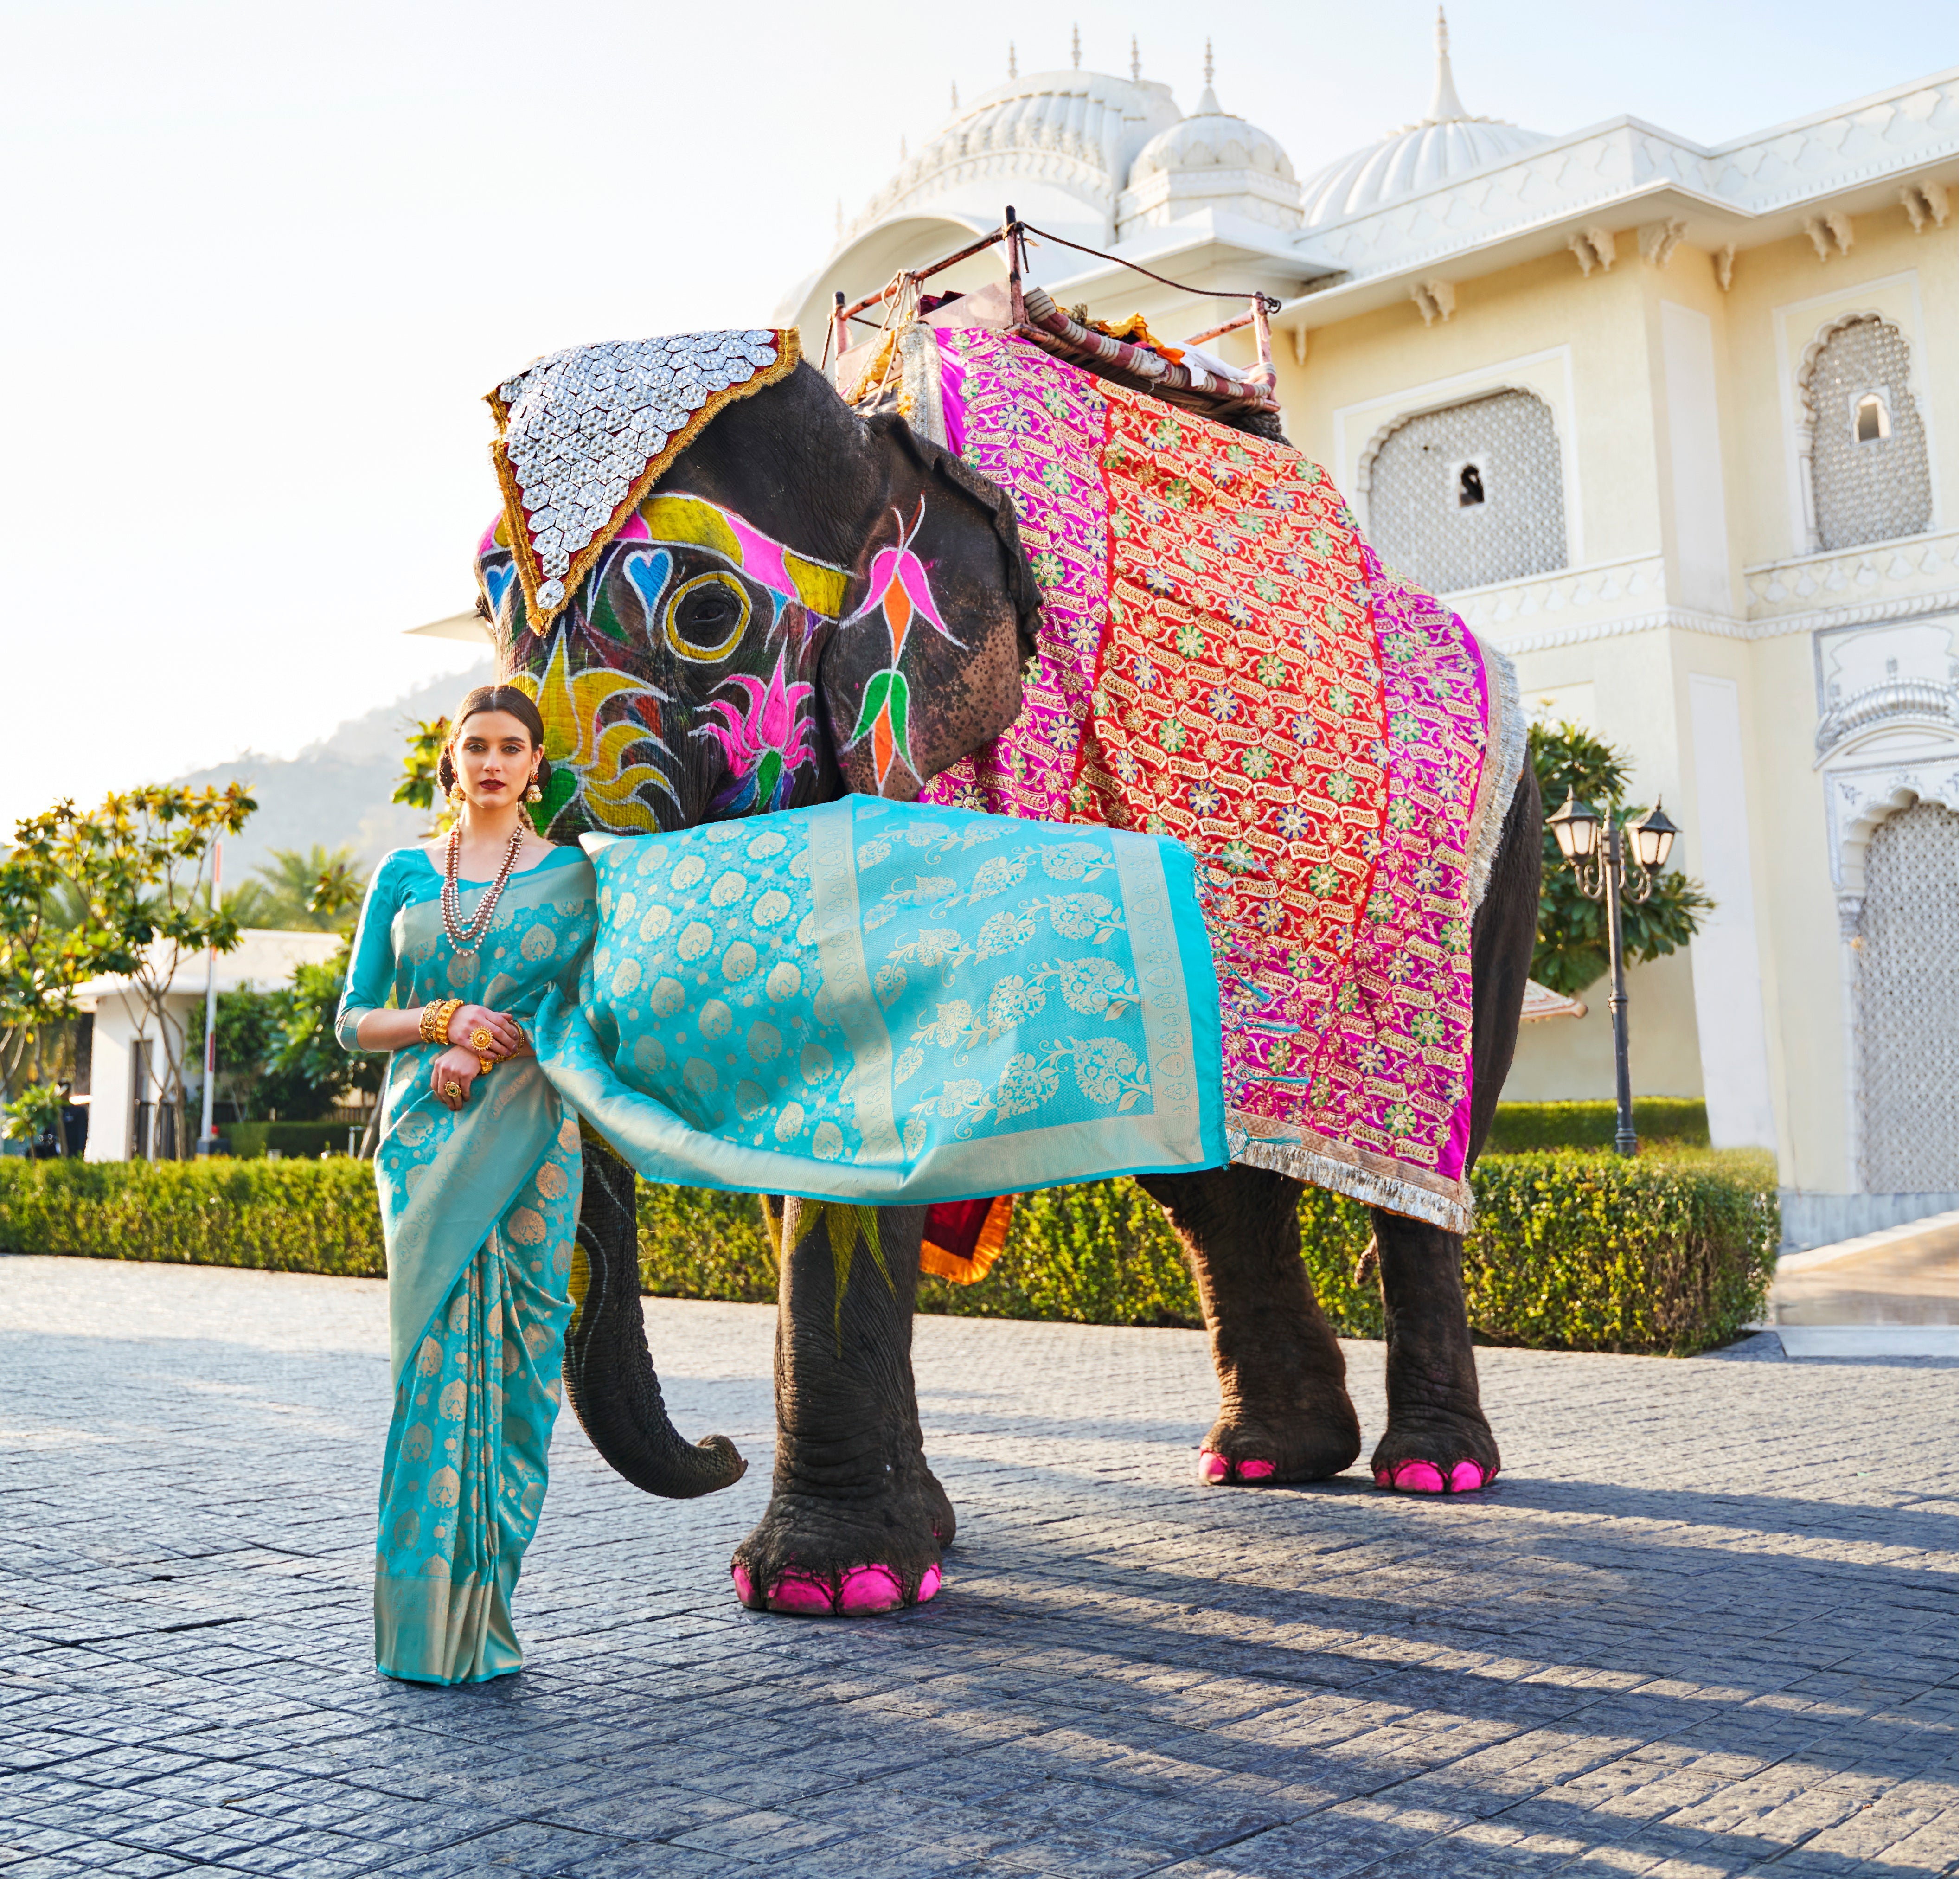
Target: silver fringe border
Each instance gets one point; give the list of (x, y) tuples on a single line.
[(1502, 767), (1370, 1189), (920, 398)]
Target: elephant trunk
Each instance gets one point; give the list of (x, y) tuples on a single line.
[(609, 1373)]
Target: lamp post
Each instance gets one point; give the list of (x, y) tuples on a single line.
[(1576, 826)]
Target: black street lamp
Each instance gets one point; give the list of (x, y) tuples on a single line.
[(1576, 826)]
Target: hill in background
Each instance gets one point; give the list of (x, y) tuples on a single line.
[(335, 792)]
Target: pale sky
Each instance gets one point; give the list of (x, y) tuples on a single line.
[(263, 259)]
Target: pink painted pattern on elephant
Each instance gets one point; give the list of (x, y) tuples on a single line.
[(1424, 1477), (867, 1589), (928, 1583), (1215, 1468), (797, 1592), (745, 1586)]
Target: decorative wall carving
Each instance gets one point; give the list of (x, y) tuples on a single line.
[(1910, 567), (1435, 300), (1860, 491), (1830, 233), (1908, 982), (1924, 202), (1594, 247), (1571, 595), (1509, 524), (1659, 240), (1725, 265)]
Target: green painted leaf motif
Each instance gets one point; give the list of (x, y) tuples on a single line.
[(603, 617), (843, 1225), (875, 694), (560, 787), (900, 697)]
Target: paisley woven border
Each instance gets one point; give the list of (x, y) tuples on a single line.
[(789, 354)]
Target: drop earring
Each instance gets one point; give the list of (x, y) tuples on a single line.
[(534, 794)]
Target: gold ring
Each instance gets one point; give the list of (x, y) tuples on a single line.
[(480, 1038), (452, 1089)]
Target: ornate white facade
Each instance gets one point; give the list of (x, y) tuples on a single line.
[(1675, 425)]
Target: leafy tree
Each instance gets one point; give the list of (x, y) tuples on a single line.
[(1571, 952), (140, 865), (420, 785), (316, 892), (51, 941)]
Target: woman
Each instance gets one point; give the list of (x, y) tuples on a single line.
[(479, 1171)]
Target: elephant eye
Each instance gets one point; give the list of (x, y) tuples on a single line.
[(707, 617)]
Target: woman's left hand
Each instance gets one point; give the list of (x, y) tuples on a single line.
[(452, 1074)]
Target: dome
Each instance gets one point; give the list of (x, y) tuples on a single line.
[(1210, 160), (1448, 142), (1078, 131)]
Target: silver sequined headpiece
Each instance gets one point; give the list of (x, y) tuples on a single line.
[(583, 435)]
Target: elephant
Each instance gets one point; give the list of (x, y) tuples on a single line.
[(723, 657)]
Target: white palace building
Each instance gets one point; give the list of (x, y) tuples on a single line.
[(1710, 394)]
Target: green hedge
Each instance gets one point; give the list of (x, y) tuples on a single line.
[(1570, 1251), (1521, 1128), (281, 1216), (249, 1141)]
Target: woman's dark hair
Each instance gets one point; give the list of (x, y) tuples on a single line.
[(504, 698)]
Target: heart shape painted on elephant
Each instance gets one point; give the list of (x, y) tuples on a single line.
[(497, 583), (649, 570)]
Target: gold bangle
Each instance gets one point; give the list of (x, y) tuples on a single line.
[(436, 1019), (485, 1065)]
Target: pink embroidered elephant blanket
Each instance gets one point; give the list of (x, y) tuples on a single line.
[(1223, 659)]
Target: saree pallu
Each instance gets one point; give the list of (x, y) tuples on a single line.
[(479, 1208), (887, 1003)]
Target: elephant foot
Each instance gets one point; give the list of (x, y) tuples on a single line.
[(1456, 1454), (817, 1558), (1319, 1438)]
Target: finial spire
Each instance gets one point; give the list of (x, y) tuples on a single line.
[(903, 152), (1136, 62), (1075, 47), (1207, 101), (1014, 64), (955, 95), (840, 218), (1444, 107)]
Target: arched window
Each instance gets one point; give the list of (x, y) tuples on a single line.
[(1869, 479), (1469, 495), (1909, 1003)]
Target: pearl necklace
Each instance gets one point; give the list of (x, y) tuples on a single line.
[(466, 938)]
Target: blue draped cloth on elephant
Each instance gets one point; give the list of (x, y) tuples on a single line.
[(892, 1003), (479, 1208)]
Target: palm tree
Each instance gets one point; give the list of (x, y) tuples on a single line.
[(313, 892)]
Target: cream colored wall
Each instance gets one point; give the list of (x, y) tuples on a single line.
[(1362, 368), (1570, 1060), (1781, 295)]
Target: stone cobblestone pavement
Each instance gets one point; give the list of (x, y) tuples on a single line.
[(1702, 1623)]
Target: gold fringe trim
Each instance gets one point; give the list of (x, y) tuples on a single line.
[(1366, 1178), (1503, 764), (789, 353), (987, 1248)]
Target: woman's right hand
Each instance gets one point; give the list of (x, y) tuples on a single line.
[(452, 1074), (506, 1034)]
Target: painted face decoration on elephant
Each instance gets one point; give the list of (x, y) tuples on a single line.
[(676, 684), (727, 603)]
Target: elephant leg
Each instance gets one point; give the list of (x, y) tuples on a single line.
[(1437, 1441), (857, 1522), (1284, 1413)]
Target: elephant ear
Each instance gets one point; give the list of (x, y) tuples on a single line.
[(927, 665)]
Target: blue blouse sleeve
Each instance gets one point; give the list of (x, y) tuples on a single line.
[(371, 972)]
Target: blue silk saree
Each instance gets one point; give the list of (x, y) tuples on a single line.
[(478, 1210), (891, 1003)]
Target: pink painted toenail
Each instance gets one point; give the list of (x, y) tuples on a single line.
[(929, 1583), (1382, 1478), (1212, 1467), (1465, 1478), (868, 1589), (1255, 1471), (745, 1586), (795, 1592), (1419, 1477)]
